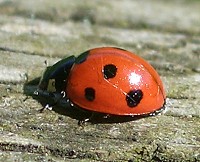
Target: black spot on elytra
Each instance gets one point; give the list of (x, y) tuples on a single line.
[(89, 94), (134, 97), (109, 71), (82, 57)]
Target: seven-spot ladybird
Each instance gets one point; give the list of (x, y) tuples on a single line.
[(105, 80)]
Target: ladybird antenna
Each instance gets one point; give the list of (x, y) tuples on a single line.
[(46, 63)]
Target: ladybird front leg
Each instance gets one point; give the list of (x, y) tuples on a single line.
[(46, 107), (83, 121), (106, 116), (55, 97)]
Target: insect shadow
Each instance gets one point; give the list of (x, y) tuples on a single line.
[(74, 112)]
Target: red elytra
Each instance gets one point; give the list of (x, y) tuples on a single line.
[(115, 81)]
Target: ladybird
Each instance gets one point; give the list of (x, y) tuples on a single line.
[(106, 80)]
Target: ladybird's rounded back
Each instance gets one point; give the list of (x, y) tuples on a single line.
[(114, 81)]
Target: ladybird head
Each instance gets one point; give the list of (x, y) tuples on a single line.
[(54, 77), (47, 82)]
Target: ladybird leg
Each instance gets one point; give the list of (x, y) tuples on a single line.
[(49, 106), (106, 116), (84, 119), (82, 122), (56, 97)]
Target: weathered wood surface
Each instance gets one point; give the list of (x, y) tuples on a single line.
[(166, 33)]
